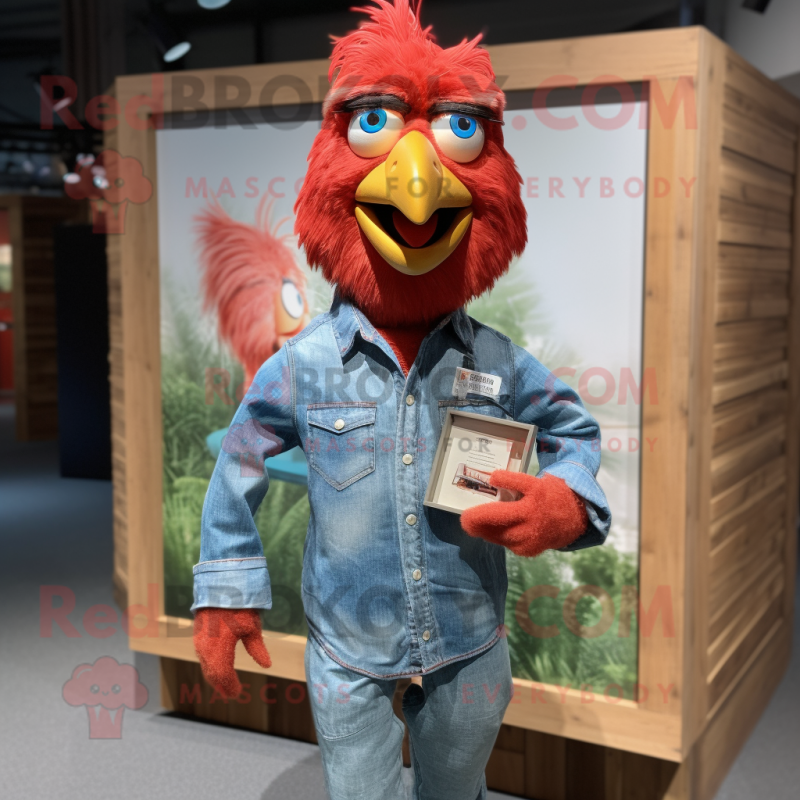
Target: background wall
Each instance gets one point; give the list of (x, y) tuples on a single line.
[(769, 40)]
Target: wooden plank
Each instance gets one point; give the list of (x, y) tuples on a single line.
[(793, 429), (742, 191), (730, 349), (630, 776), (703, 298), (585, 771), (269, 705), (736, 462), (730, 534), (116, 358), (732, 256), (746, 135), (749, 214), (742, 365), (662, 54), (736, 419), (758, 236), (738, 600), (751, 510), (770, 475), (760, 627), (744, 78), (511, 738), (751, 334), (747, 180), (139, 279), (759, 379), (763, 594), (670, 283), (735, 284), (750, 107), (738, 565), (505, 771), (545, 766), (592, 718)]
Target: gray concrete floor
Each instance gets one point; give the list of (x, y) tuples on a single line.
[(57, 532)]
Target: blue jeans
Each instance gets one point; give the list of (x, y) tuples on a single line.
[(453, 720)]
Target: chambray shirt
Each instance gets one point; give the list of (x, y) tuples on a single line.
[(390, 587)]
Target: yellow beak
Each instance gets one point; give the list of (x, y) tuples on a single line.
[(416, 183)]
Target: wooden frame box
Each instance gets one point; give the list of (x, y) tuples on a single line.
[(722, 333)]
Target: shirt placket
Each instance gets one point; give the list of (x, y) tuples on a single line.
[(424, 648)]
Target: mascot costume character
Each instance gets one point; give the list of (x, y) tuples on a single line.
[(411, 207)]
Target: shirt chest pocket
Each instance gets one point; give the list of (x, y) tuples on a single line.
[(341, 446)]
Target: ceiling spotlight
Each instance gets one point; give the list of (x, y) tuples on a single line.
[(212, 4), (176, 52), (171, 44)]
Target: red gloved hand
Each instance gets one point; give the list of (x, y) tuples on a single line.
[(549, 514), (216, 631)]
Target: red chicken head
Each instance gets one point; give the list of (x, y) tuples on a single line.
[(411, 204)]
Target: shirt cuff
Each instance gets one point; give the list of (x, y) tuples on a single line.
[(232, 583), (583, 483)]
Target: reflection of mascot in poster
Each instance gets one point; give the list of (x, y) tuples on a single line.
[(411, 208), (252, 282)]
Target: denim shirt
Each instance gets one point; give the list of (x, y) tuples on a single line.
[(390, 587)]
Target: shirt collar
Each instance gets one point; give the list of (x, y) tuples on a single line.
[(462, 325), (347, 321)]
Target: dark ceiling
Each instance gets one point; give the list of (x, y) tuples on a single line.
[(94, 40)]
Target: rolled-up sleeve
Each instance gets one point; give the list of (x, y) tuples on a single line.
[(232, 572), (567, 442)]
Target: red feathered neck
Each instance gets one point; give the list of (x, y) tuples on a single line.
[(405, 341)]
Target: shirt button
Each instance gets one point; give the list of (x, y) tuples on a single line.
[(416, 574), (408, 458), (411, 519), (426, 635), (339, 424), (409, 399)]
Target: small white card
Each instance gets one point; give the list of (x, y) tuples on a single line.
[(469, 461), (467, 380)]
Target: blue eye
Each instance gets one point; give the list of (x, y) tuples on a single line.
[(463, 127), (373, 121)]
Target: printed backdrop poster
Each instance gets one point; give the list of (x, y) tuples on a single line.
[(574, 300)]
